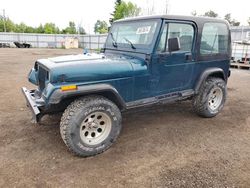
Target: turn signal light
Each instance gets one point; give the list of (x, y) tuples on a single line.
[(69, 88)]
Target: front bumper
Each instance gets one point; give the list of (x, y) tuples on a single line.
[(31, 103)]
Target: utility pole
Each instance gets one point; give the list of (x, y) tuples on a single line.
[(166, 11), (4, 25)]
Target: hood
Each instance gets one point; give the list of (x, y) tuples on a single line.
[(89, 67)]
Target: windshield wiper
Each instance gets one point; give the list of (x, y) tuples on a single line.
[(131, 44), (113, 40)]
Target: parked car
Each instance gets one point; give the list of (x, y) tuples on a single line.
[(145, 61), (22, 45)]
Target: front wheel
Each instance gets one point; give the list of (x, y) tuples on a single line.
[(90, 125), (211, 97)]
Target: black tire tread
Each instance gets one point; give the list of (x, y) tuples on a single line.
[(199, 103), (71, 110)]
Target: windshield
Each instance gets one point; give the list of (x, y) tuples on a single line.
[(132, 34)]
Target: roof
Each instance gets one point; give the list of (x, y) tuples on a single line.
[(196, 19)]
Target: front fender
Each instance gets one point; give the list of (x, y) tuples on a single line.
[(58, 96)]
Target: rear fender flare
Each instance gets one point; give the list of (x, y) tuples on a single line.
[(216, 72)]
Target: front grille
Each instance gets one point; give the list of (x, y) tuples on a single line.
[(43, 75)]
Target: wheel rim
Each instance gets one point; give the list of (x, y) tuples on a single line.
[(215, 98), (95, 128)]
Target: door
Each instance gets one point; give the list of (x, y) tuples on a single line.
[(172, 71)]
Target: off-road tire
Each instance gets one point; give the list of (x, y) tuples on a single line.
[(201, 101), (72, 120)]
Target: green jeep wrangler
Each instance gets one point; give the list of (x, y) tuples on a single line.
[(145, 61)]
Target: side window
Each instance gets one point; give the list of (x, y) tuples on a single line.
[(185, 33), (214, 39)]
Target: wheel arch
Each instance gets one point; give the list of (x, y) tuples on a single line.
[(104, 90), (211, 72)]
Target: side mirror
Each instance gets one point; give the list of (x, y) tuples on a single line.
[(173, 44)]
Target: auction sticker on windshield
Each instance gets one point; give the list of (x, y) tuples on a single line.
[(143, 30)]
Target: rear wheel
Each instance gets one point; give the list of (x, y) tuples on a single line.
[(90, 125), (211, 97)]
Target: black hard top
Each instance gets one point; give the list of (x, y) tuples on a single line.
[(196, 19)]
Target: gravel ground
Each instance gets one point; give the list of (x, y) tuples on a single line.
[(164, 146)]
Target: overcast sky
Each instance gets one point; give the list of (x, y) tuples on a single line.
[(86, 12)]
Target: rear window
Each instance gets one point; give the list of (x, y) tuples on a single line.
[(214, 40)]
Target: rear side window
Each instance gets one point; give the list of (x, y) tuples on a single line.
[(214, 40)]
